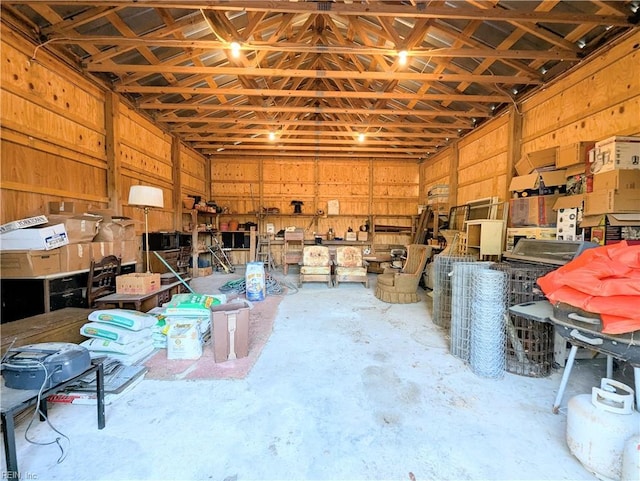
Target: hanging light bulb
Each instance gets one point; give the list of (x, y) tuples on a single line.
[(272, 135), (361, 137), (402, 57), (235, 49)]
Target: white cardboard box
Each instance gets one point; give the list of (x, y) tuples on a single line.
[(39, 238), (617, 153)]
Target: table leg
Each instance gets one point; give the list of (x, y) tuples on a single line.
[(610, 367), (565, 378), (9, 439), (100, 396), (42, 409)]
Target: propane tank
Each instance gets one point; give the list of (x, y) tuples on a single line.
[(631, 459), (599, 425)]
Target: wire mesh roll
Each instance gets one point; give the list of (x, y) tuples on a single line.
[(487, 352), (461, 306), (442, 268)]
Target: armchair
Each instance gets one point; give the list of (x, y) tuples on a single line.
[(315, 265), (402, 287), (349, 265)]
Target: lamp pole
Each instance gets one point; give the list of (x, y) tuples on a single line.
[(146, 236)]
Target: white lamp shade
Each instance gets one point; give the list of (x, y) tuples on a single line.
[(146, 196)]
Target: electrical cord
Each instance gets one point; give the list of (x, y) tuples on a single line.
[(37, 411), (274, 287)]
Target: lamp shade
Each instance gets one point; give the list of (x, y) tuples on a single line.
[(146, 196)]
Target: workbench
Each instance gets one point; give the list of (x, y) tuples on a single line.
[(142, 302)]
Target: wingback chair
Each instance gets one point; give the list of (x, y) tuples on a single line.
[(315, 265), (350, 267), (401, 287)]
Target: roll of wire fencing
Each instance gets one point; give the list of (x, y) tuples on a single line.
[(462, 306), (487, 350)]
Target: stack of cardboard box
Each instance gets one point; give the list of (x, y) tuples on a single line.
[(612, 200), (66, 239)]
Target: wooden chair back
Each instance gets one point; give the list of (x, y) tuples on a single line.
[(102, 278)]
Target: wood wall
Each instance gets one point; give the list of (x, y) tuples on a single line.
[(63, 138), (597, 100)]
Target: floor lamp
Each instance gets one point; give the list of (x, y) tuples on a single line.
[(146, 197)]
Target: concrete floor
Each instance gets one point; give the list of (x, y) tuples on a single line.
[(347, 388)]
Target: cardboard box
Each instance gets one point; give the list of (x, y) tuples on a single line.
[(617, 153), (576, 153), (612, 228), (534, 160), (113, 229), (363, 236), (101, 249), (532, 211), (39, 238), (79, 227), (350, 236), (68, 207), (567, 226), (127, 251), (514, 234), (29, 263), (617, 179), (75, 257), (137, 283), (539, 183), (569, 202), (23, 223), (611, 201), (230, 331)]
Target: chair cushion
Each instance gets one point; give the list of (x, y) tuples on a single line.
[(349, 256), (316, 256), (315, 270), (386, 279), (351, 271)]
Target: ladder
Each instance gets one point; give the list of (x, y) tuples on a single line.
[(263, 252)]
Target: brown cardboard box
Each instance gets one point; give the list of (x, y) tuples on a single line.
[(68, 207), (612, 228), (363, 236), (230, 331), (80, 227), (539, 183), (75, 257), (101, 249), (611, 201), (31, 263), (127, 250), (115, 228), (617, 179), (534, 160), (532, 211), (138, 283), (569, 202), (617, 153), (576, 153)]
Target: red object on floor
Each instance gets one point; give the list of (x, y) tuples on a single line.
[(603, 280)]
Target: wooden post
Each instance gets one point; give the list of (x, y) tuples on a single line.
[(453, 174), (114, 164), (514, 145), (177, 183)]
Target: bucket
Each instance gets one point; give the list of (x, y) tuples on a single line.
[(599, 425), (233, 225), (224, 226), (255, 281)]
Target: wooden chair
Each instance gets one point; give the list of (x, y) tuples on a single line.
[(350, 267), (402, 287), (316, 265), (102, 278)]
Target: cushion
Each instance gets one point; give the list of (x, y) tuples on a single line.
[(386, 279), (349, 256), (351, 271), (316, 256), (315, 270)]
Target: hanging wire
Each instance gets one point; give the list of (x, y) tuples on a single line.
[(274, 286)]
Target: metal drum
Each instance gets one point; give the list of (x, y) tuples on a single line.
[(599, 425)]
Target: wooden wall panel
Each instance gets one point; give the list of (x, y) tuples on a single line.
[(193, 172), (395, 187), (235, 184), (598, 100), (52, 133)]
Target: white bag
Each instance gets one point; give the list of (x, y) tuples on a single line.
[(184, 341)]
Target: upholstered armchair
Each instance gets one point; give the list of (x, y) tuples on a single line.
[(350, 267), (401, 287), (316, 265)]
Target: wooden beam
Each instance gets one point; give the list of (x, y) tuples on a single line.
[(355, 9), (114, 162)]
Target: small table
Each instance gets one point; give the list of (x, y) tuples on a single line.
[(139, 301), (14, 401)]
